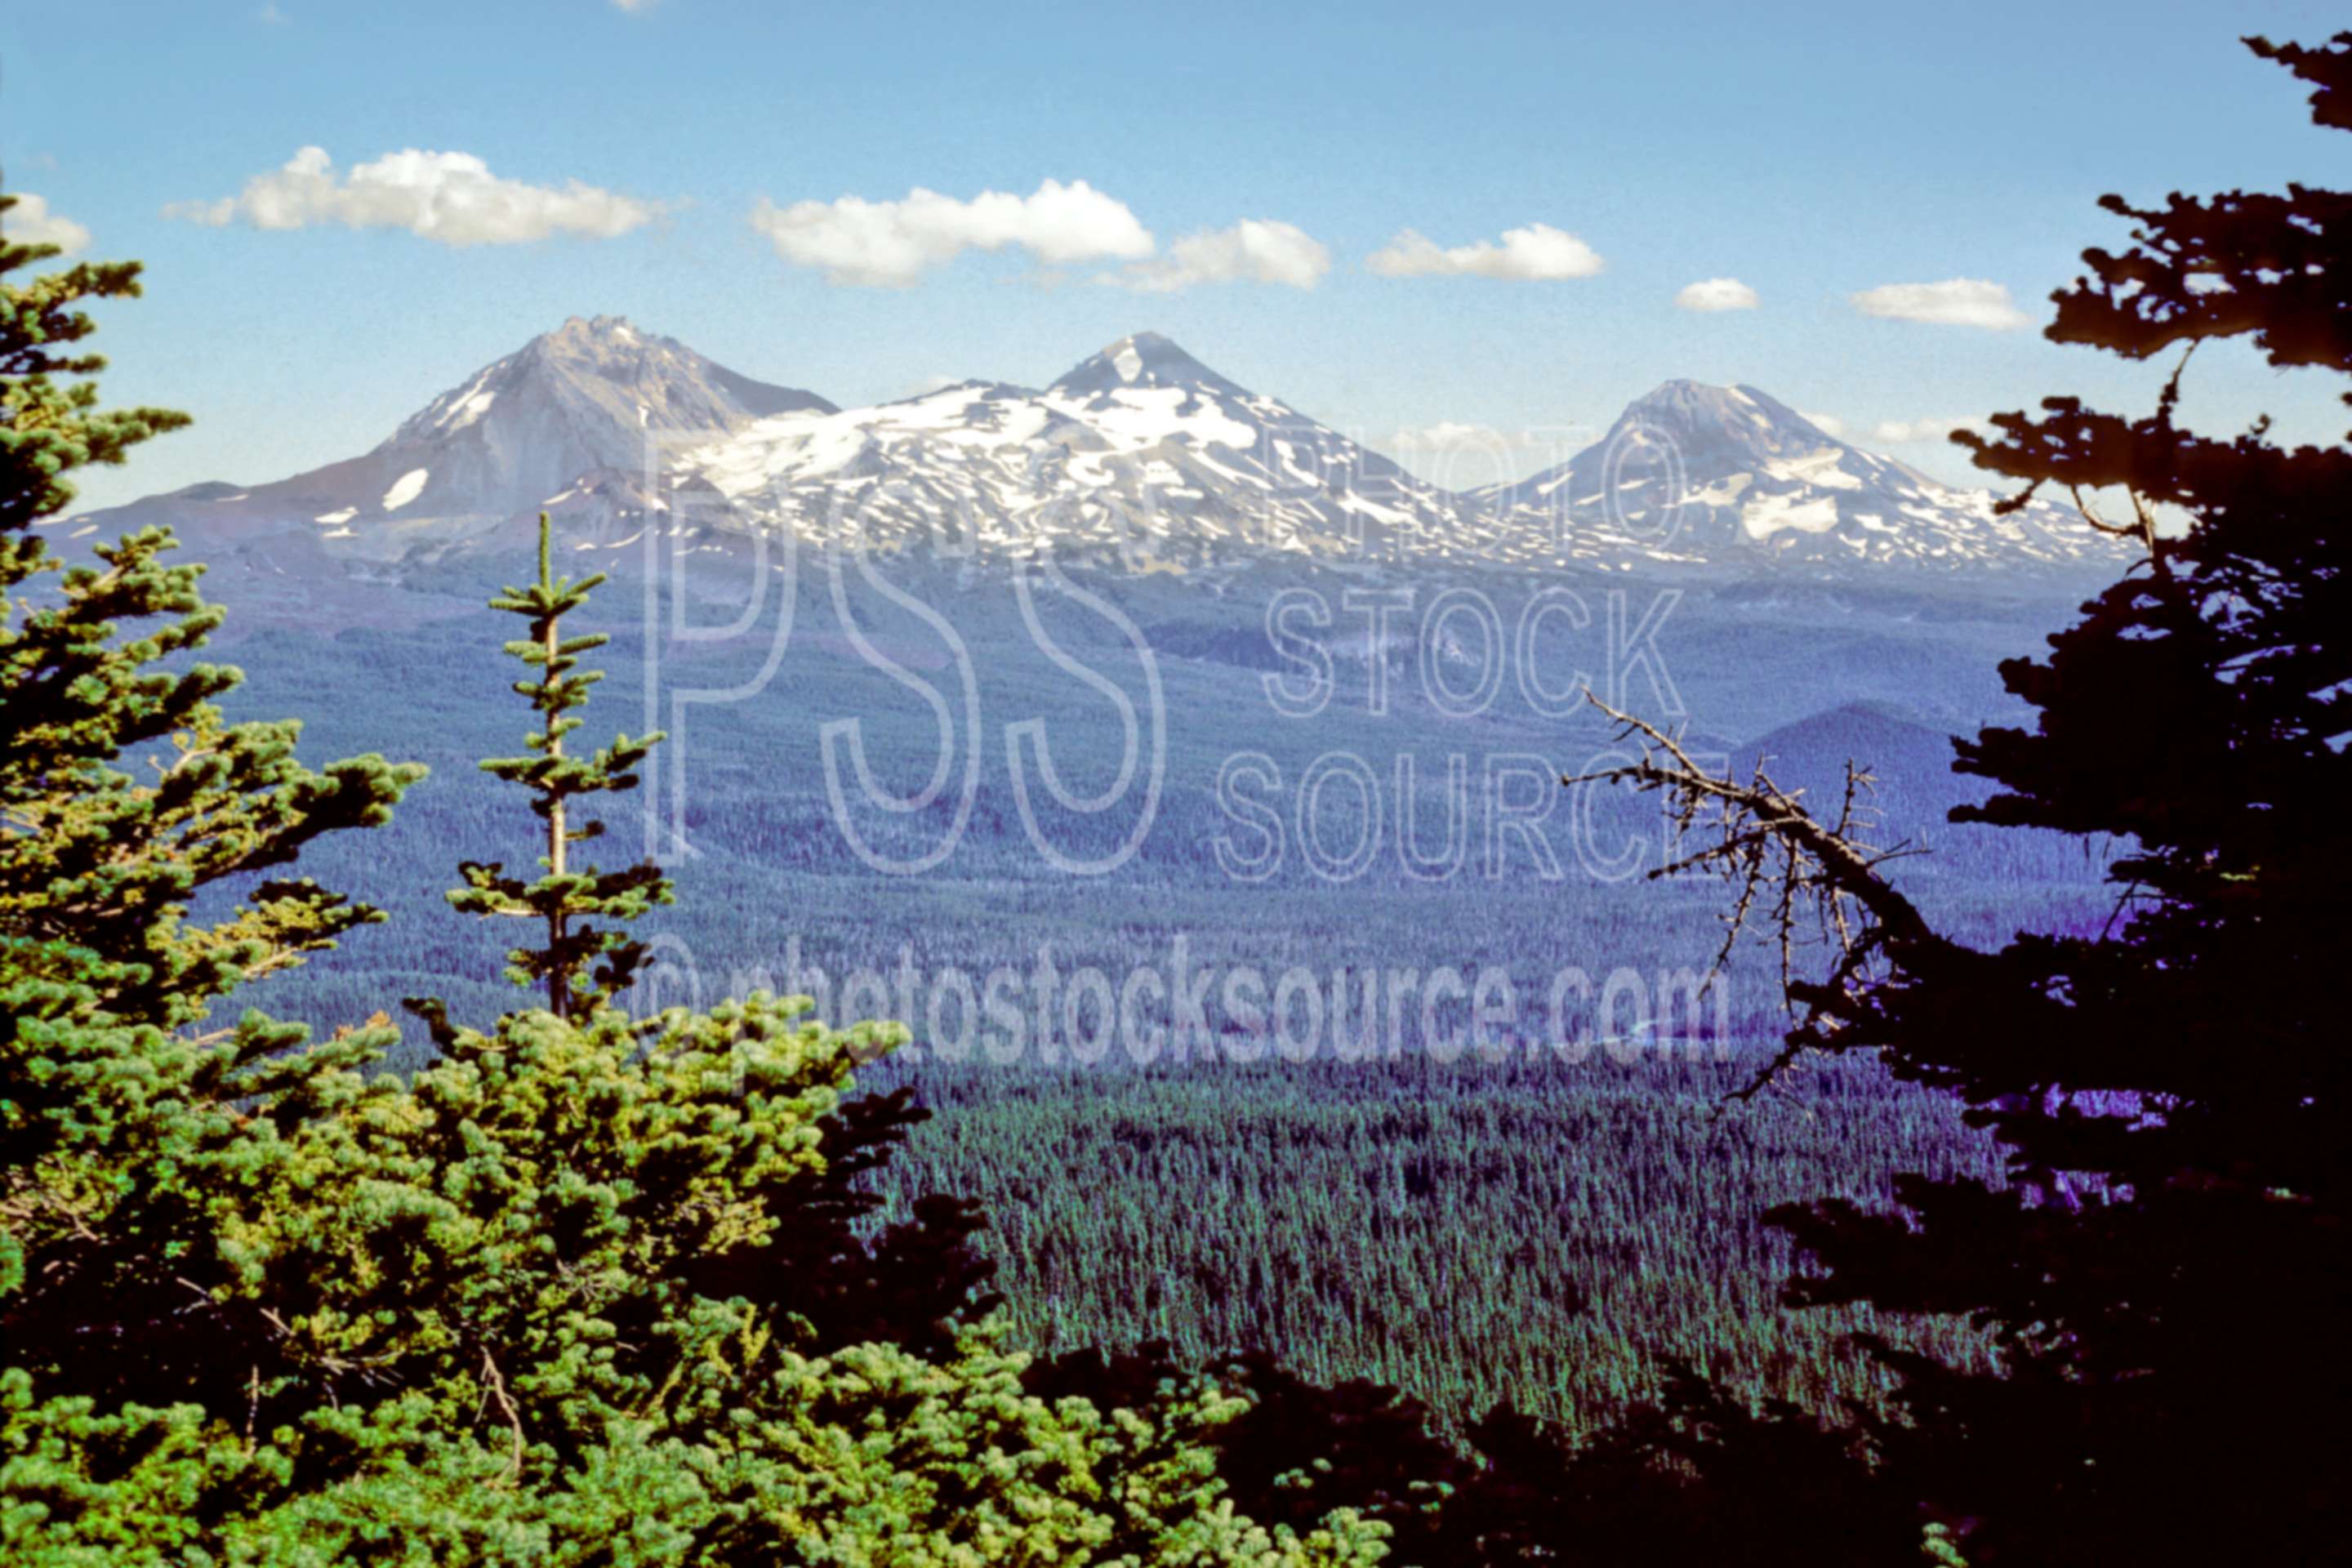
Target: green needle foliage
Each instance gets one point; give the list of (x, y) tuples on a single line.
[(583, 965), (584, 1290), (122, 791)]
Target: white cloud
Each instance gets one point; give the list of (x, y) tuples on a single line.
[(1957, 301), (1717, 294), (635, 4), (450, 198), (1827, 424), (1537, 253), (30, 222), (270, 16), (1898, 432), (890, 244), (1255, 250)]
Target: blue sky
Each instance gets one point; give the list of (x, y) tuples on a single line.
[(1812, 156)]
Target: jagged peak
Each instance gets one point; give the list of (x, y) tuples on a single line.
[(597, 338), (1140, 359), (1721, 419), (616, 328)]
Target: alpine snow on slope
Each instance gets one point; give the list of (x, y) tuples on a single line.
[(1731, 474), (1139, 449), (582, 400), (1140, 446)]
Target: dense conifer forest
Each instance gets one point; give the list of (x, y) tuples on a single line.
[(1477, 1234)]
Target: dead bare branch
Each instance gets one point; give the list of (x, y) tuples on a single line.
[(1799, 880), (498, 1387)]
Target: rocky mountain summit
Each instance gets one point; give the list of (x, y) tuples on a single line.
[(1139, 448)]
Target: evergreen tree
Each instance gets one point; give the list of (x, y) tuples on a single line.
[(583, 965), (124, 795), (2167, 1269), (122, 790), (917, 1282), (261, 1304)]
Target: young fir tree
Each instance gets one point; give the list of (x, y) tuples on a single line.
[(914, 1282), (2167, 1271), (583, 965)]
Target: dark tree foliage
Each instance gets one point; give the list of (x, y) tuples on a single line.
[(1300, 1448), (1696, 1476), (2166, 1270), (912, 1283)]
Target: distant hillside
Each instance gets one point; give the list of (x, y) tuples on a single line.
[(1911, 762)]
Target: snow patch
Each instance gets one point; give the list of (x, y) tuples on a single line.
[(473, 408), (456, 410), (1724, 491), (1146, 417), (1768, 515), (405, 489), (1819, 467)]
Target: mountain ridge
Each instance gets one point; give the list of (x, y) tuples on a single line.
[(1139, 448)]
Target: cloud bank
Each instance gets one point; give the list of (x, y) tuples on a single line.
[(1255, 250), (1717, 294), (1957, 301), (1538, 253), (451, 198), (1899, 432), (891, 244), (30, 222)]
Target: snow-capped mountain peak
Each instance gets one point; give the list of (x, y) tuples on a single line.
[(577, 400), (1140, 361), (1139, 446), (1730, 473)]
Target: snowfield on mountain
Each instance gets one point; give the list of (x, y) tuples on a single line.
[(1139, 449)]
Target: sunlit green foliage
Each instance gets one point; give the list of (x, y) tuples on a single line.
[(583, 1290), (583, 966)]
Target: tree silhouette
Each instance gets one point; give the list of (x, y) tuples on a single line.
[(2166, 1270)]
